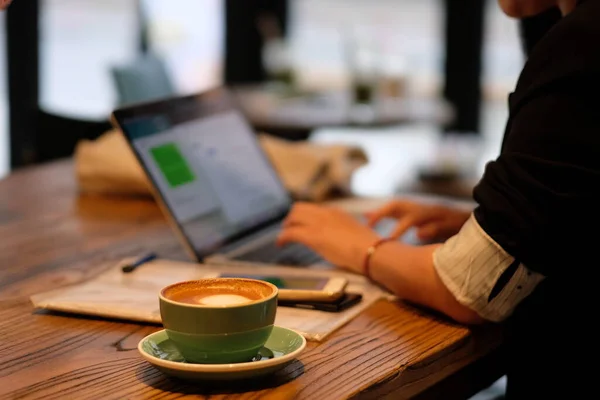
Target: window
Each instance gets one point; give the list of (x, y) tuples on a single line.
[(411, 30), (79, 42), (189, 36)]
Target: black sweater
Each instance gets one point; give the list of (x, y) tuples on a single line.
[(540, 201)]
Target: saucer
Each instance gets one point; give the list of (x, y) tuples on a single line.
[(282, 347)]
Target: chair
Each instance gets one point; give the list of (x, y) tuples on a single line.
[(143, 80), (57, 135)]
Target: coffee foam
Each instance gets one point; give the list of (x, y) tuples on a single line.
[(218, 292), (222, 300)]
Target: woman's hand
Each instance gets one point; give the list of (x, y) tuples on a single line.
[(334, 234), (433, 222)]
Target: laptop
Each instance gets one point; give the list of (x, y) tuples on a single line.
[(212, 179)]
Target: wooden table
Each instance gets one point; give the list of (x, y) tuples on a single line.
[(51, 236)]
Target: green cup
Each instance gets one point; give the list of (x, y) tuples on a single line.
[(219, 320)]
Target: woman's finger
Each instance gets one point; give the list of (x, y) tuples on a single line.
[(395, 209), (403, 226), (374, 217), (303, 213), (416, 219), (297, 234), (429, 231)]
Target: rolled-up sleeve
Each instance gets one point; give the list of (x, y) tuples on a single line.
[(474, 267)]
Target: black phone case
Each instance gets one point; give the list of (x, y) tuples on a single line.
[(346, 301)]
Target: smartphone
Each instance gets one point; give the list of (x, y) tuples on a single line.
[(295, 288), (346, 301)]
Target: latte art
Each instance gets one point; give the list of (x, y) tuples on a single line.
[(226, 292), (222, 300), (216, 296)]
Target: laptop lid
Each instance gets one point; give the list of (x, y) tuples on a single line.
[(208, 170)]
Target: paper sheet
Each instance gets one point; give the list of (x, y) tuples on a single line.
[(134, 296)]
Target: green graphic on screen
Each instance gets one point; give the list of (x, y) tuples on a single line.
[(172, 164)]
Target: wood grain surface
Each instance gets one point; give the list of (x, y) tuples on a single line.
[(51, 236)]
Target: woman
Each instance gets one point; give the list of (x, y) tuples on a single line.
[(523, 257), (533, 28)]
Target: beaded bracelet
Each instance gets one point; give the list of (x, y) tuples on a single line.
[(369, 254)]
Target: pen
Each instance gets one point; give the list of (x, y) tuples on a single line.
[(132, 266)]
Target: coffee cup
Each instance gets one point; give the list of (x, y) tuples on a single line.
[(219, 320)]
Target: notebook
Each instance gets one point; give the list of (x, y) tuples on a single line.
[(134, 296)]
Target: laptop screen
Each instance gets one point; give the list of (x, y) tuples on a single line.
[(208, 167)]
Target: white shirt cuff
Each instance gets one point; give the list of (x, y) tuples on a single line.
[(471, 263)]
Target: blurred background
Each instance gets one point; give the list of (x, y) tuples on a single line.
[(447, 65)]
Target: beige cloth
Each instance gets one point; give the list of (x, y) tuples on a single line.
[(309, 171)]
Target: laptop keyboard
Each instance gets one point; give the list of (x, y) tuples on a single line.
[(293, 254), (296, 254)]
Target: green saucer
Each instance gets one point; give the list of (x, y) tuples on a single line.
[(282, 347)]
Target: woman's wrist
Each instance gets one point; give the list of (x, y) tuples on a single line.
[(389, 259), (369, 253)]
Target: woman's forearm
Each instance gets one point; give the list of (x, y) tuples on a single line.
[(408, 271)]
